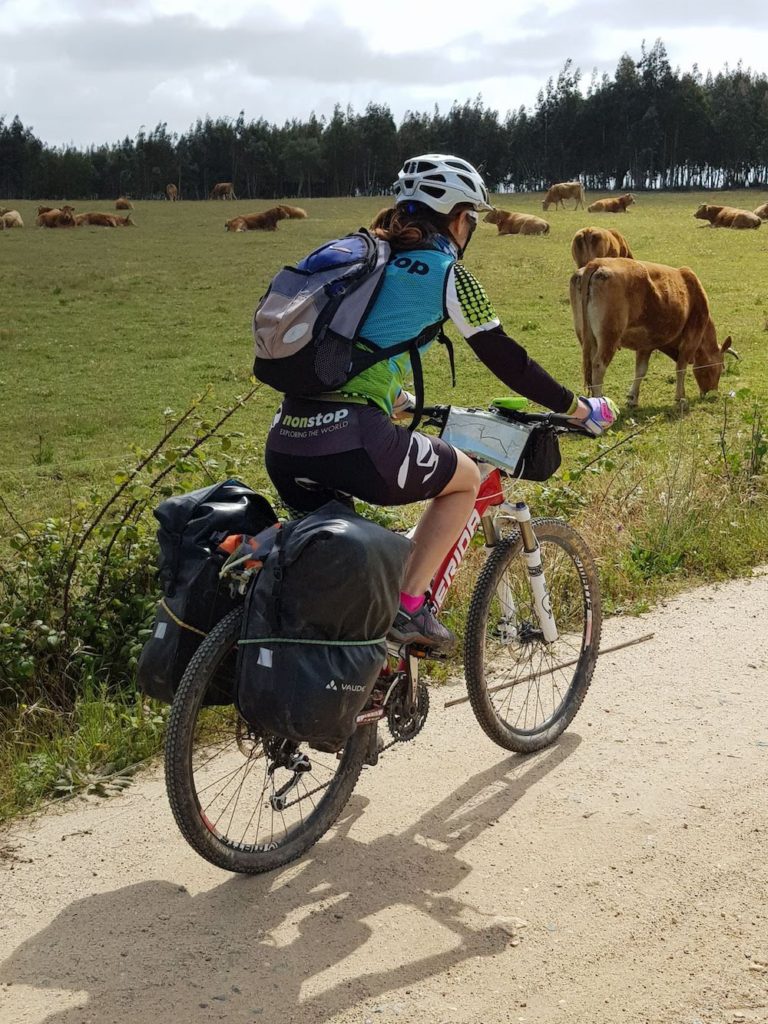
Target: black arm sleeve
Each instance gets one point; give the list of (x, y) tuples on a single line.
[(509, 361)]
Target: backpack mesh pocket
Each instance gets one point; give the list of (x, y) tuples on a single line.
[(332, 360)]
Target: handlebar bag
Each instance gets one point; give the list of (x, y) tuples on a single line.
[(540, 458), (315, 626), (194, 598), (521, 449)]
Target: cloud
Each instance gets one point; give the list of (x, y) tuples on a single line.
[(655, 16), (323, 50)]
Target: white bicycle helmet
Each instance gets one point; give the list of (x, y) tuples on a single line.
[(440, 182)]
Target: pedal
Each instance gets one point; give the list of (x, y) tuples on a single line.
[(427, 654)]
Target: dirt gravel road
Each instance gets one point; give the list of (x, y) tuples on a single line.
[(620, 876)]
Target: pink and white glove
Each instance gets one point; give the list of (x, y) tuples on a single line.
[(602, 414)]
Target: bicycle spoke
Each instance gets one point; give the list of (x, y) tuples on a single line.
[(521, 686)]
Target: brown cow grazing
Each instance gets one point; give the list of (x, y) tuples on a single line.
[(123, 203), (592, 243), (762, 211), (223, 190), (98, 220), (172, 192), (63, 218), (727, 217), (562, 191), (617, 205), (294, 212), (264, 221), (516, 223), (11, 219), (622, 303)]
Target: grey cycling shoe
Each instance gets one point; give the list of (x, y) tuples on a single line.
[(421, 627)]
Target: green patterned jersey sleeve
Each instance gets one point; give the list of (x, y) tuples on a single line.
[(467, 304)]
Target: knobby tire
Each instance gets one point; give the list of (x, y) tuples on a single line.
[(544, 698), (187, 718)]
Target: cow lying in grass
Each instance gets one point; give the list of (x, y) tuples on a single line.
[(516, 223), (727, 217), (593, 243), (616, 205), (63, 218), (264, 221), (103, 220), (10, 219), (622, 303), (762, 211)]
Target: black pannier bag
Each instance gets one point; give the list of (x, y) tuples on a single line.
[(315, 623), (194, 599)]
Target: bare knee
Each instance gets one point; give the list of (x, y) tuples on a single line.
[(466, 477)]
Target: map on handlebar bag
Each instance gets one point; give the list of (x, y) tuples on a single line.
[(522, 450)]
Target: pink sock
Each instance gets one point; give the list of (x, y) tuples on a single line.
[(411, 602)]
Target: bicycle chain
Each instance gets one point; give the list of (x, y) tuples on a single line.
[(423, 695)]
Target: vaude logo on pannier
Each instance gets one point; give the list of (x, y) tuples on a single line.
[(347, 687)]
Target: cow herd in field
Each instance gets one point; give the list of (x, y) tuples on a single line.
[(66, 217), (617, 301)]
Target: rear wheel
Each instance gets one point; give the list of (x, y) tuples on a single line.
[(244, 800), (524, 691)]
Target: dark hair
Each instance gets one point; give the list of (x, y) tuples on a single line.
[(409, 225)]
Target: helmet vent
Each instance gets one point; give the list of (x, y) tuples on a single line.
[(431, 190)]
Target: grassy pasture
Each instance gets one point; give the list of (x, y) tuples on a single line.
[(103, 330)]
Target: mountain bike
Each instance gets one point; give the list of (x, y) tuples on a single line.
[(250, 802)]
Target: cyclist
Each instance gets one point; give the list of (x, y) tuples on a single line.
[(362, 451)]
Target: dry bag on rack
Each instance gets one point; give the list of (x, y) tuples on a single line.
[(194, 598), (315, 623)]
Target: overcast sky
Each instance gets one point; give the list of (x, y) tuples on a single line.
[(91, 71)]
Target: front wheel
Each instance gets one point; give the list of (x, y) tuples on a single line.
[(525, 691), (247, 801)]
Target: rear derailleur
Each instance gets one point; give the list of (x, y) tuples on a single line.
[(284, 754)]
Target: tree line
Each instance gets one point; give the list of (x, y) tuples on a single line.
[(645, 127)]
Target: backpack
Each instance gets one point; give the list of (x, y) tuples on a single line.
[(194, 598), (315, 624), (307, 326)]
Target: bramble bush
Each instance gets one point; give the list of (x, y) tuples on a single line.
[(77, 598)]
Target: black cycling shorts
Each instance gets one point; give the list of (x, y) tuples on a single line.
[(315, 449)]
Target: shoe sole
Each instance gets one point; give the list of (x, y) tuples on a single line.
[(418, 638)]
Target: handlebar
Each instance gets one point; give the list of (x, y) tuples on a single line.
[(436, 416)]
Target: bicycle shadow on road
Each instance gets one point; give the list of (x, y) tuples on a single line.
[(273, 948)]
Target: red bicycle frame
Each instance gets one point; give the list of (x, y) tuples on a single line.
[(490, 494)]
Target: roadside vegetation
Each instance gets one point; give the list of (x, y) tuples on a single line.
[(125, 361)]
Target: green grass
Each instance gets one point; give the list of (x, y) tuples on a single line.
[(103, 331)]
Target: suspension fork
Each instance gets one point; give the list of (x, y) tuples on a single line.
[(532, 555)]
